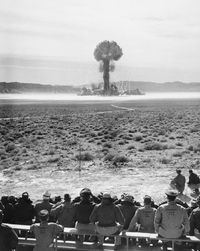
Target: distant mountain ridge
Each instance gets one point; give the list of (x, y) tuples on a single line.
[(160, 87), (17, 87)]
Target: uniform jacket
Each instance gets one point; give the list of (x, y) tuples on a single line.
[(144, 216), (171, 220)]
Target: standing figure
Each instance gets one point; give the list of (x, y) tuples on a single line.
[(194, 182), (179, 181)]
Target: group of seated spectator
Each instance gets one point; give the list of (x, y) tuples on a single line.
[(104, 214)]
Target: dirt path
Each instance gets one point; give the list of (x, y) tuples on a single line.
[(123, 108)]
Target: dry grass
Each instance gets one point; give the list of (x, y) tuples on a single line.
[(47, 137)]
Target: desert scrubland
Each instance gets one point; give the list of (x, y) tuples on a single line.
[(65, 146)]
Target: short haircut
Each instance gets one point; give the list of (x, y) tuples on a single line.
[(171, 198)]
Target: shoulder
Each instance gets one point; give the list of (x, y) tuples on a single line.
[(5, 227), (196, 211)]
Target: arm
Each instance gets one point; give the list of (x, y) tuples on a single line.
[(55, 212), (119, 216), (134, 220), (186, 222), (93, 216), (192, 223), (12, 238), (157, 220)]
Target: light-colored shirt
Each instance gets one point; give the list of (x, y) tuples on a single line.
[(171, 220), (144, 216), (45, 233)]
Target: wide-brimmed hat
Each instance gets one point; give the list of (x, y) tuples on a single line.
[(106, 195), (172, 193), (128, 198), (46, 195)]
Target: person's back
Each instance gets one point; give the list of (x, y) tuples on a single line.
[(107, 215), (8, 237), (128, 209), (108, 219), (179, 181), (195, 218), (64, 214), (171, 220), (8, 210), (44, 205), (24, 211), (193, 178), (144, 217), (45, 232), (83, 209)]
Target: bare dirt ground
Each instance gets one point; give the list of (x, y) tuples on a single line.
[(132, 146)]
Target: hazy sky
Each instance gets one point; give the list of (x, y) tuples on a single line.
[(53, 40)]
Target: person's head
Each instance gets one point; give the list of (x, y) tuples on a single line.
[(178, 171), (44, 215), (25, 196), (106, 198), (1, 216), (127, 199), (12, 200), (147, 200), (46, 196), (67, 197), (190, 171), (171, 195), (85, 194)]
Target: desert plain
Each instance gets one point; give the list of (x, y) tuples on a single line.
[(132, 146)]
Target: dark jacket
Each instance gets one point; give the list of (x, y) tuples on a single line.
[(193, 179), (107, 215), (45, 204), (64, 214), (195, 220), (128, 210), (24, 212), (8, 213), (8, 238), (83, 210)]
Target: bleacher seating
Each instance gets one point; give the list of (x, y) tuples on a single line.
[(72, 245)]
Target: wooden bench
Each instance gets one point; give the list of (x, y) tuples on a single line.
[(66, 244)]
